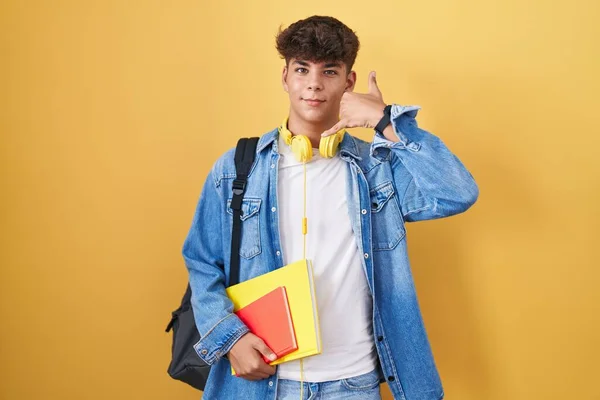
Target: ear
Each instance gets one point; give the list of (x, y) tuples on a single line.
[(284, 78), (350, 82)]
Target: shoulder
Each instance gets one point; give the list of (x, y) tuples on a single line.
[(224, 167)]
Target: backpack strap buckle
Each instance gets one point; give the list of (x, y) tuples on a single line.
[(239, 187)]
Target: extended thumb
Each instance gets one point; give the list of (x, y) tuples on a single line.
[(373, 83)]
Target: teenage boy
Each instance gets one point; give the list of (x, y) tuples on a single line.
[(358, 202)]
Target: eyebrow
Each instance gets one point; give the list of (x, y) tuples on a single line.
[(328, 65)]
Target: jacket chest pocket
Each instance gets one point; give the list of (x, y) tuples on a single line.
[(387, 226), (250, 243)]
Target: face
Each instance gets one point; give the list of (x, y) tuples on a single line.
[(316, 89)]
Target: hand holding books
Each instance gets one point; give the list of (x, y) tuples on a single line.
[(246, 357)]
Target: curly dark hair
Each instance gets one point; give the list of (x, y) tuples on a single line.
[(318, 39)]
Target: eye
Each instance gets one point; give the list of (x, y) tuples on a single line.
[(299, 70), (330, 72)]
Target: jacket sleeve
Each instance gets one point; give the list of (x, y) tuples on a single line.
[(431, 181), (203, 253)]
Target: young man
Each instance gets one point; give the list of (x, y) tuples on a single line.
[(357, 203)]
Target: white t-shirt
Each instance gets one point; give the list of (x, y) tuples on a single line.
[(343, 297)]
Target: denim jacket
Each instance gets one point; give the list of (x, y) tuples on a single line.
[(388, 184)]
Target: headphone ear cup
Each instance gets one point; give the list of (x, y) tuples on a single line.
[(329, 144), (302, 148)]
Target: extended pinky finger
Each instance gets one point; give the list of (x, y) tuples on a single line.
[(340, 125)]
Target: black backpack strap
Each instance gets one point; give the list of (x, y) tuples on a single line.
[(245, 153)]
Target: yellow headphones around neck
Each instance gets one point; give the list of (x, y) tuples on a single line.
[(302, 148)]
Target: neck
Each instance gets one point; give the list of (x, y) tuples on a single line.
[(312, 130)]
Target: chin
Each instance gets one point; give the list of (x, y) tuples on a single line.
[(314, 116)]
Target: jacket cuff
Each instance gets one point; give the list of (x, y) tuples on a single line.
[(220, 339), (401, 118)]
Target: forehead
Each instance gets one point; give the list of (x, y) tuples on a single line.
[(316, 64)]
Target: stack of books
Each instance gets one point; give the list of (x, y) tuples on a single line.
[(280, 307)]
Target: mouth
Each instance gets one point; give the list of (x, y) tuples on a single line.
[(314, 102)]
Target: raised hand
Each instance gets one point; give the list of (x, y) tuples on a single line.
[(360, 109)]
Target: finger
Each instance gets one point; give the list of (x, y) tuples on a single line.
[(267, 369), (264, 350), (334, 129), (254, 376), (254, 369), (373, 88), (257, 375)]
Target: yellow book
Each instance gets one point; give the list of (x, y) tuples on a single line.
[(298, 280)]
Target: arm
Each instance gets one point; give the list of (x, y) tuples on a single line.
[(203, 252), (431, 181), (222, 333)]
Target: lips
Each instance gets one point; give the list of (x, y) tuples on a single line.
[(314, 102)]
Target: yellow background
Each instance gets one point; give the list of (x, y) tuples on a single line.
[(112, 112)]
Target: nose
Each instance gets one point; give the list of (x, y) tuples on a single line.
[(314, 81)]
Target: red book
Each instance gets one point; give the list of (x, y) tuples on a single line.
[(270, 319)]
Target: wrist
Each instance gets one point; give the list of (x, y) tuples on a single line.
[(384, 119), (377, 115)]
